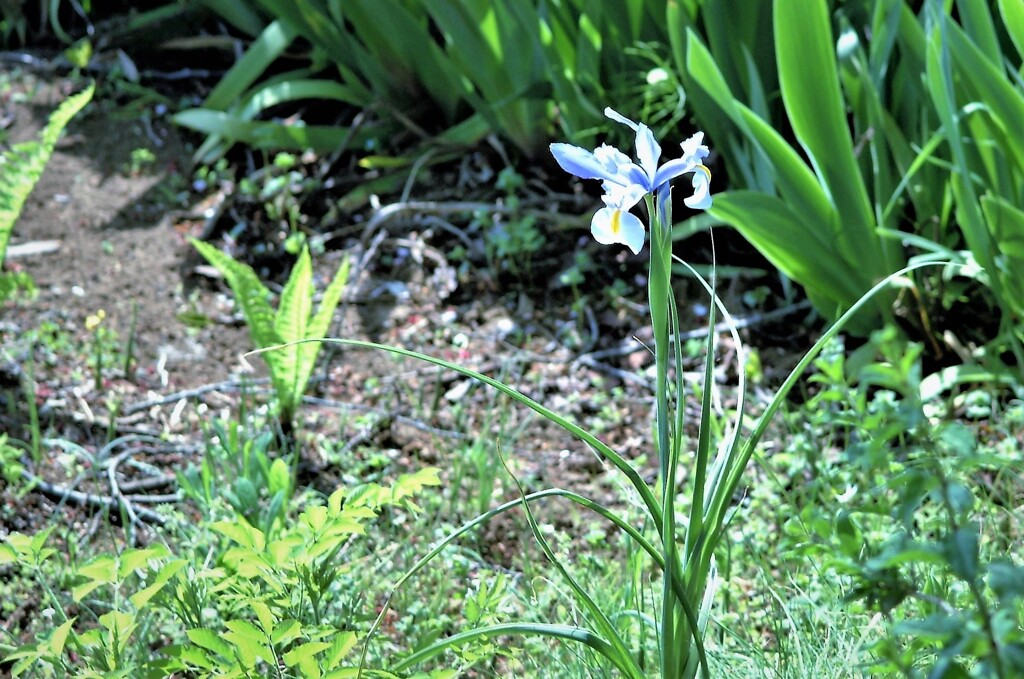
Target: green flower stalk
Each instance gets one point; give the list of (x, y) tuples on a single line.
[(625, 183)]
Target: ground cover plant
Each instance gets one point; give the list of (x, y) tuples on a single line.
[(525, 450)]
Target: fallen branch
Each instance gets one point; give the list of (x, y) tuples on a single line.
[(91, 499), (36, 247), (226, 385)]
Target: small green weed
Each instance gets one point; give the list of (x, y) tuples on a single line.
[(282, 335)]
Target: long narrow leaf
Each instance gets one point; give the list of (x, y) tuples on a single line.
[(615, 650), (566, 632), (263, 51), (273, 136), (810, 90), (725, 491)]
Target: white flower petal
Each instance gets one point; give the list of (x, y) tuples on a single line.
[(618, 226), (619, 118), (611, 158), (701, 198), (694, 150), (649, 152), (622, 197)]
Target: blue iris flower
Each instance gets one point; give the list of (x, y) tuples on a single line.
[(626, 183)]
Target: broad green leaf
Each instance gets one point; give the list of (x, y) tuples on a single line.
[(1012, 12), (796, 182), (272, 135), (195, 655), (279, 480), (210, 640), (121, 626), (940, 79), (246, 629), (938, 627), (773, 227), (239, 14), (304, 657), (132, 559), (986, 82), (1006, 224), (249, 641), (809, 82), (308, 19), (976, 18), (408, 485), (59, 637), (399, 37), (100, 571), (283, 90), (162, 577), (37, 542), (289, 630), (7, 554), (263, 614), (341, 646), (242, 533)]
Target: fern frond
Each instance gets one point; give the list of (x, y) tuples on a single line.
[(23, 165), (319, 325), (290, 366), (293, 312), (250, 294)]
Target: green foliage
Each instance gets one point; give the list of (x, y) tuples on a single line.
[(237, 469), (20, 169), (510, 242), (820, 228), (518, 68), (253, 604), (10, 462), (294, 322), (877, 172), (979, 98), (907, 516)]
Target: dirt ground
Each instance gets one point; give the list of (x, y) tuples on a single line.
[(118, 236)]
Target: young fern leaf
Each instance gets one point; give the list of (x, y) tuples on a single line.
[(290, 365), (318, 327), (251, 295), (20, 170), (293, 313)]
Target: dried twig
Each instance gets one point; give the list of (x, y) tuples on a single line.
[(90, 499), (226, 385)]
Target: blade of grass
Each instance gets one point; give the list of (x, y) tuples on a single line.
[(615, 650), (566, 632)]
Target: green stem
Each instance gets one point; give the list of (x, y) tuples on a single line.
[(98, 351), (659, 289)]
